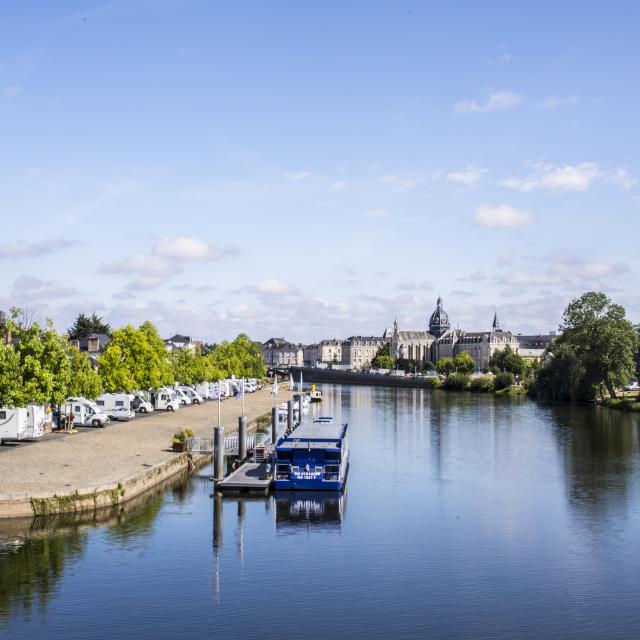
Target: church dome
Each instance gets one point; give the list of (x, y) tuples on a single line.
[(439, 321)]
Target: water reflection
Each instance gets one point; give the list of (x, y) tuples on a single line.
[(35, 554), (309, 509)]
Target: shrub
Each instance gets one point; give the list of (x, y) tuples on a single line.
[(180, 437), (481, 384), (456, 381), (504, 380), (435, 382)]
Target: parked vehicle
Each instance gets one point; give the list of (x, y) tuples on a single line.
[(203, 389), (633, 386), (22, 423), (118, 406), (165, 400), (140, 403), (191, 393), (182, 397), (216, 390), (82, 412)]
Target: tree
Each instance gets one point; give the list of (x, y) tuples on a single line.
[(504, 380), (242, 358), (84, 379), (383, 359), (86, 325), (596, 349), (507, 360), (135, 359), (464, 363), (445, 366)]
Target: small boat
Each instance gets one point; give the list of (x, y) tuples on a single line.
[(314, 457), (315, 395)]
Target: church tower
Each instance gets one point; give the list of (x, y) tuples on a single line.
[(439, 321)]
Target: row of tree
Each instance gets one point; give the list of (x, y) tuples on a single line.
[(39, 365)]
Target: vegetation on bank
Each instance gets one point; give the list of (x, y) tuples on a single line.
[(39, 365), (596, 353)]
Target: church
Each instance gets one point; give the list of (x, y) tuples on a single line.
[(441, 341)]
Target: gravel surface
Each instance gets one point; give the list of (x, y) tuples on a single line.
[(94, 457)]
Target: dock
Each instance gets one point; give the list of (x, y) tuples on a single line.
[(250, 477)]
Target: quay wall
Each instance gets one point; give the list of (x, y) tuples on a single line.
[(310, 374)]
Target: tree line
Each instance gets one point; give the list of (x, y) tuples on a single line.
[(39, 365)]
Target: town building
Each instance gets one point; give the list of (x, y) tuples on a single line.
[(534, 346), (310, 355), (330, 351), (441, 341), (181, 342), (278, 352), (359, 351)]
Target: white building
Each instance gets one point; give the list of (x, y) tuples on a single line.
[(359, 351), (278, 352)]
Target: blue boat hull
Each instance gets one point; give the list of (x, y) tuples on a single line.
[(312, 484)]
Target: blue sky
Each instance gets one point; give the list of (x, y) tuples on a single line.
[(315, 169)]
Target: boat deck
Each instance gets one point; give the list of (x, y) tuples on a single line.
[(249, 477)]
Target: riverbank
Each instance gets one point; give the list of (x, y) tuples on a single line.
[(622, 404), (101, 468)]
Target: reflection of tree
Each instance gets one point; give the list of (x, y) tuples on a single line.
[(29, 570), (600, 451)]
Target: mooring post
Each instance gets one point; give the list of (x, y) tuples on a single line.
[(218, 453), (274, 425), (289, 415), (217, 521), (242, 438)]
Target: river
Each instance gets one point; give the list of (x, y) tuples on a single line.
[(465, 516)]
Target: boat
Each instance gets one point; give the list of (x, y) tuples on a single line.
[(313, 457), (315, 395)]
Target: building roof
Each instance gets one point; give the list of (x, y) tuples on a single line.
[(415, 335), (439, 320), (103, 340), (534, 342), (179, 339)]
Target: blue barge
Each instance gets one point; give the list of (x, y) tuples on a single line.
[(314, 457)]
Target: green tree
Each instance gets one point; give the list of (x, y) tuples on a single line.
[(135, 359), (504, 380), (84, 379), (383, 359), (86, 325), (596, 349), (445, 366), (464, 363)]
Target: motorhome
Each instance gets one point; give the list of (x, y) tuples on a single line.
[(182, 397), (22, 423), (204, 389), (191, 393), (165, 400), (216, 390), (118, 406), (82, 412), (140, 403)]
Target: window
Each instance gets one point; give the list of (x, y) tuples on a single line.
[(119, 403), (3, 415)]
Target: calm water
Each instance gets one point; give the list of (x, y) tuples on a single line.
[(464, 517)]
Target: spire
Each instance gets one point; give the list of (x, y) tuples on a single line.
[(496, 323)]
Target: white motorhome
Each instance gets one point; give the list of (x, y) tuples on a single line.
[(204, 389), (216, 390), (191, 393), (82, 412), (165, 400), (182, 396), (140, 403), (22, 423)]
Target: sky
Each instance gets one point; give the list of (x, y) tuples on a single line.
[(315, 170)]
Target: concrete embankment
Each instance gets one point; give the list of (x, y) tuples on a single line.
[(352, 377), (99, 468)]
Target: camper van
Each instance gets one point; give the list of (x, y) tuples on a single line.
[(118, 406), (23, 423), (216, 390), (191, 393), (140, 403), (165, 400), (204, 389), (84, 412), (182, 396)]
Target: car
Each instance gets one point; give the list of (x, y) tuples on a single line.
[(633, 386)]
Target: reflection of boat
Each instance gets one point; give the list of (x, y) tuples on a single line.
[(319, 507), (314, 456)]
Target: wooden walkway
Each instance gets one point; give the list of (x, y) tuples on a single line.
[(251, 477)]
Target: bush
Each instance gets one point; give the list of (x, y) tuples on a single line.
[(481, 384), (504, 380), (458, 381), (435, 382)]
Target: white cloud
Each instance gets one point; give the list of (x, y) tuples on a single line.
[(31, 288), (338, 185), (399, 183), (502, 215), (297, 176), (476, 276), (414, 286), (189, 249), (376, 213), (142, 264), (553, 102), (273, 286), (13, 90), (495, 101), (33, 249), (577, 177), (469, 176)]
